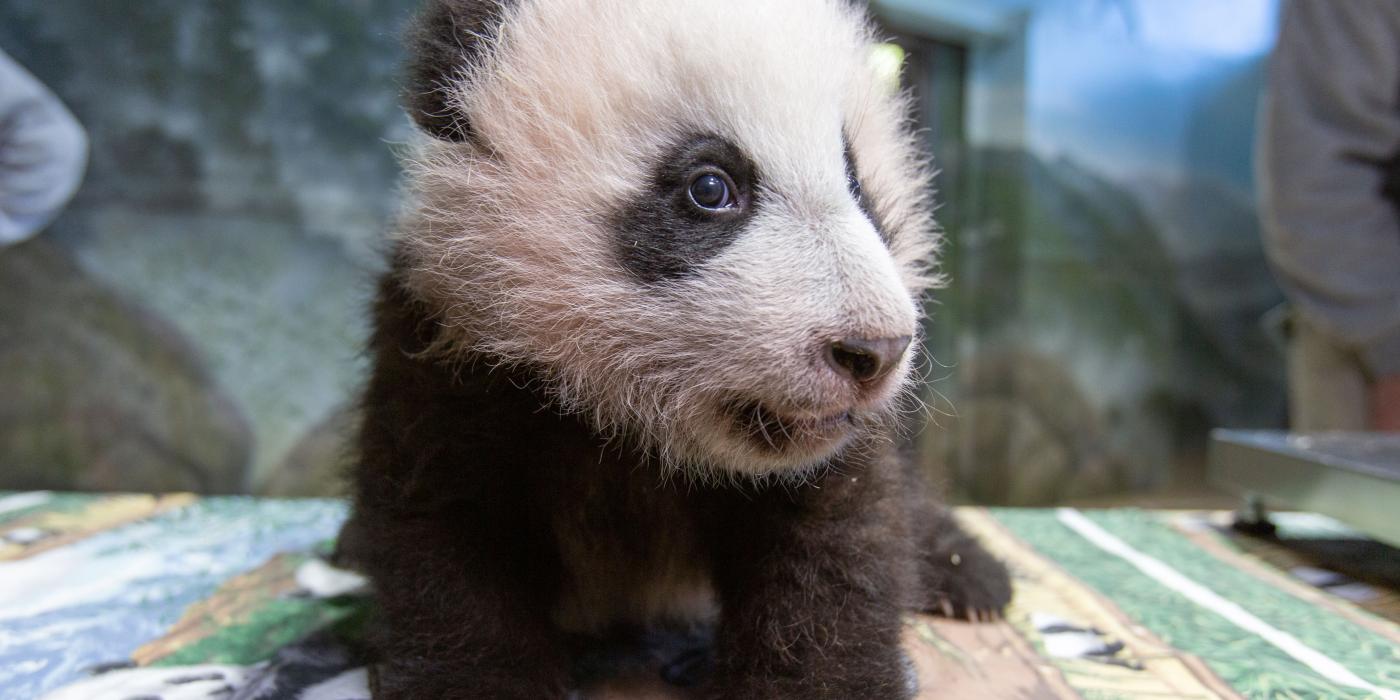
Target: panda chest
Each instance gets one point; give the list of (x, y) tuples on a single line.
[(631, 560)]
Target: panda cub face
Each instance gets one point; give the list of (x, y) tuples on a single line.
[(702, 224)]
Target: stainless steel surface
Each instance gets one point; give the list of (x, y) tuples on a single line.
[(1353, 477)]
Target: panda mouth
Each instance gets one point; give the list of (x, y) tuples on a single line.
[(781, 431)]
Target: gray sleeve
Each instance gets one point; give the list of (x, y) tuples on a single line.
[(43, 152), (1329, 130)]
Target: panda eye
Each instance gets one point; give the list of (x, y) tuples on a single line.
[(711, 190)]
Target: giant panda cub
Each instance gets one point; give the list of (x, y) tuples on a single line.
[(638, 359)]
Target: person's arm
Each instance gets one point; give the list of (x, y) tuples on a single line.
[(43, 151), (1329, 132)]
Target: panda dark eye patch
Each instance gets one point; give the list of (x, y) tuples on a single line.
[(698, 197), (853, 181), (858, 193)]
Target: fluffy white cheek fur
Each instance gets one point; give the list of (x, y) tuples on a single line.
[(760, 315)]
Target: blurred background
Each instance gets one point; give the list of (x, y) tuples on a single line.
[(193, 319)]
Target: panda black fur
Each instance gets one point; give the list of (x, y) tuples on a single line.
[(600, 404)]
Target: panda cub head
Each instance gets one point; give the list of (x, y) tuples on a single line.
[(703, 225)]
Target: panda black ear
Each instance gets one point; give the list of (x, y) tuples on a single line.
[(446, 37)]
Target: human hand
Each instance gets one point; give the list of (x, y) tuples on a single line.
[(1385, 404)]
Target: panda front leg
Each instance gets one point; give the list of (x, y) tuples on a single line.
[(454, 623), (810, 587)]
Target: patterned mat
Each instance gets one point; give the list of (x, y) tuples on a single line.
[(134, 596)]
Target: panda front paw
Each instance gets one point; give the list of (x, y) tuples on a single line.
[(968, 583)]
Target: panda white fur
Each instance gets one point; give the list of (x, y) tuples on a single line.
[(650, 315)]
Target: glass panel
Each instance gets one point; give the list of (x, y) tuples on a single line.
[(1108, 284)]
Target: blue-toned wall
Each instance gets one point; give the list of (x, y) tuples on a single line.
[(1109, 281), (193, 321)]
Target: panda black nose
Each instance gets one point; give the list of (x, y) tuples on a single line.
[(866, 359)]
